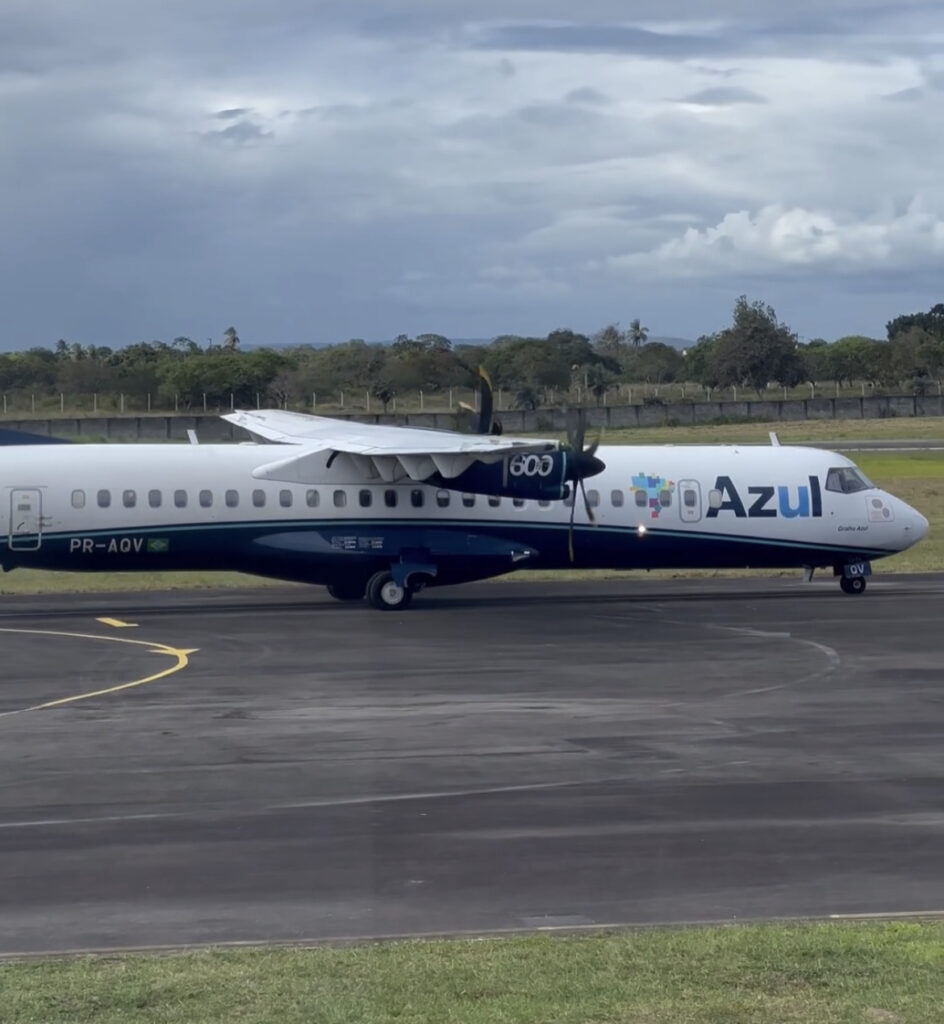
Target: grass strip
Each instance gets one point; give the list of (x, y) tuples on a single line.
[(819, 973)]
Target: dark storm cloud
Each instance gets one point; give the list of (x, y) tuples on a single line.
[(587, 94), (239, 132), (599, 39), (722, 96)]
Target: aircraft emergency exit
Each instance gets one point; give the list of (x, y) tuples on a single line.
[(384, 511)]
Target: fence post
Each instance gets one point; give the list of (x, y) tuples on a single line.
[(421, 399), (149, 401), (122, 407), (4, 404), (367, 393), (176, 402), (94, 402), (314, 401), (258, 402), (204, 401), (62, 402), (341, 393), (450, 399), (32, 403)]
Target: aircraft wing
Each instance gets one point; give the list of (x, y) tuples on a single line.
[(388, 452)]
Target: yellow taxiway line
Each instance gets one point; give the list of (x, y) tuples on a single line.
[(179, 654)]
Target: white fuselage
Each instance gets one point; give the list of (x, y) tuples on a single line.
[(197, 506)]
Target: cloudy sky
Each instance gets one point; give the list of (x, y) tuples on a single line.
[(314, 171)]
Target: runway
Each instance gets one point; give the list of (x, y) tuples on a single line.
[(273, 766)]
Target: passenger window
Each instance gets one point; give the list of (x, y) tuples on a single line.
[(155, 498), (593, 498), (340, 499), (180, 499), (231, 498), (641, 498), (129, 499), (616, 498), (312, 498), (285, 498), (518, 502), (665, 498), (78, 499), (468, 500), (206, 499), (365, 497), (390, 498), (714, 498), (417, 497), (442, 499), (690, 498), (494, 501), (258, 498), (104, 499)]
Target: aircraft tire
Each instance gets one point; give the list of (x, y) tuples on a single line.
[(385, 594), (349, 590), (852, 584)]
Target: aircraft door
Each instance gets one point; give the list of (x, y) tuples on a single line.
[(26, 511), (689, 501)]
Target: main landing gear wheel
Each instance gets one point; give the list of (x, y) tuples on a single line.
[(349, 590), (852, 584), (385, 594)]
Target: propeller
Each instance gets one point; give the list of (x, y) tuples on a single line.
[(581, 463), (485, 424)]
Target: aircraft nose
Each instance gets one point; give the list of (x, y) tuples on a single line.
[(916, 526)]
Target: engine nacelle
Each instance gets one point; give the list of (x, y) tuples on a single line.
[(539, 476)]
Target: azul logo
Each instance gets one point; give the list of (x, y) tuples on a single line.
[(801, 502), (658, 491)]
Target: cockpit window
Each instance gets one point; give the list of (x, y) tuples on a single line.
[(847, 480)]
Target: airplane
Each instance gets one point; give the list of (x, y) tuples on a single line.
[(384, 511)]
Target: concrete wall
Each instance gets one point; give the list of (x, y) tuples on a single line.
[(212, 428)]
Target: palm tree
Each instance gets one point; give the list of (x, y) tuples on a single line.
[(637, 333)]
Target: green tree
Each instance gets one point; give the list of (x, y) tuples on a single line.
[(756, 349), (636, 333)]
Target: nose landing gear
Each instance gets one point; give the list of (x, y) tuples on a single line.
[(852, 576)]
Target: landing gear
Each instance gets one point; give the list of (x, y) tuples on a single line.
[(347, 590), (385, 594), (852, 576)]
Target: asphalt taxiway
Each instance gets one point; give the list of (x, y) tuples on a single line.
[(273, 766)]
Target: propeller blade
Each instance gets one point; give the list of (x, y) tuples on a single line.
[(486, 405), (586, 504), (570, 525)]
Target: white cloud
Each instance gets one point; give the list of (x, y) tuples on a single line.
[(777, 237)]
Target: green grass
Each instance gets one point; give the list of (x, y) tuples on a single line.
[(768, 974), (910, 429)]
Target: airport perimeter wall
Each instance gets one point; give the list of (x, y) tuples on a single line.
[(211, 428)]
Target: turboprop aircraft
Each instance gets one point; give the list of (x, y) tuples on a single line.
[(384, 511)]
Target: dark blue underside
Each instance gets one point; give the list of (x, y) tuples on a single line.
[(327, 550)]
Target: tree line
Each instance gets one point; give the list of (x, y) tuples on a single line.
[(753, 352)]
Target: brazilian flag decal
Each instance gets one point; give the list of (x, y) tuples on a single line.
[(158, 545)]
